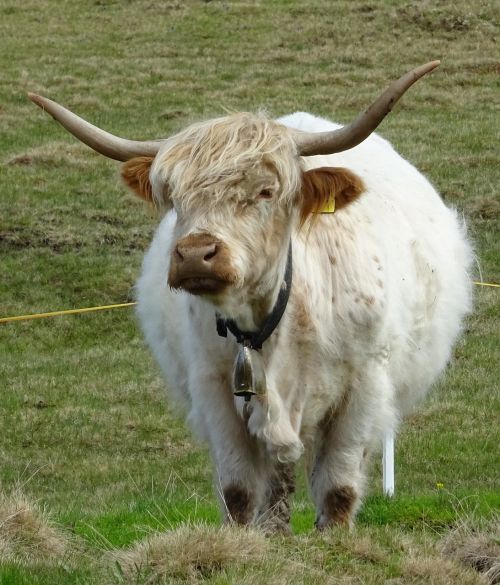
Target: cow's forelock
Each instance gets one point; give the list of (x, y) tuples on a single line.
[(205, 163)]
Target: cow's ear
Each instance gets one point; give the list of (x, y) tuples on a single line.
[(135, 172), (328, 188)]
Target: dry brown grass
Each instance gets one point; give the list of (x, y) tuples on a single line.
[(360, 545), (434, 570), (200, 553), (476, 548), (27, 535), (188, 553)]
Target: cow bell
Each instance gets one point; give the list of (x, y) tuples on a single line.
[(249, 377)]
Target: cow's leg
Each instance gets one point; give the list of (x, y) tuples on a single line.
[(239, 475), (274, 514), (345, 438)]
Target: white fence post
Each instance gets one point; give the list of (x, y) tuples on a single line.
[(388, 464)]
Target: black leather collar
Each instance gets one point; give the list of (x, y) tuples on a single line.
[(255, 339)]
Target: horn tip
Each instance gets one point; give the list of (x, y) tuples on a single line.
[(425, 69), (36, 99), (428, 67)]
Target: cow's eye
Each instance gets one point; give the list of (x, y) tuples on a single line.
[(265, 194)]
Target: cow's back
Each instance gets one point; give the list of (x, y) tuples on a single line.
[(403, 257)]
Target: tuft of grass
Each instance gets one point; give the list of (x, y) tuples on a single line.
[(27, 533), (189, 552), (39, 553)]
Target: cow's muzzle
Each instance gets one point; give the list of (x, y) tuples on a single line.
[(200, 265)]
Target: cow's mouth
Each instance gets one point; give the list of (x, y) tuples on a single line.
[(203, 285)]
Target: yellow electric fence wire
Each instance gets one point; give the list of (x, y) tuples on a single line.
[(68, 312), (119, 306), (486, 284)]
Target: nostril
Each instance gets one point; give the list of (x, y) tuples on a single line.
[(178, 253), (211, 253)]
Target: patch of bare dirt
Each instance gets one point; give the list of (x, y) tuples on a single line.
[(59, 242), (53, 154), (22, 238), (434, 19), (484, 208)]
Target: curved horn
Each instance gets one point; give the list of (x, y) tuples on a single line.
[(311, 143), (101, 141)]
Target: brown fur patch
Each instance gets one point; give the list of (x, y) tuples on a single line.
[(368, 300), (301, 316), (238, 504), (338, 505), (135, 173), (321, 185)]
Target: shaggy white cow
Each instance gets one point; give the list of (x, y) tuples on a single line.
[(338, 322)]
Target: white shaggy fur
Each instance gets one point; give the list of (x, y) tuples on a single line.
[(379, 292)]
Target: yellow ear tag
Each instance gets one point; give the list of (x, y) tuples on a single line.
[(329, 206)]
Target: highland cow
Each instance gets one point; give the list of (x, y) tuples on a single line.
[(280, 328)]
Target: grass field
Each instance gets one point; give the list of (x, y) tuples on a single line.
[(99, 481)]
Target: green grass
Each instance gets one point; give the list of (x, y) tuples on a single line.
[(86, 432)]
